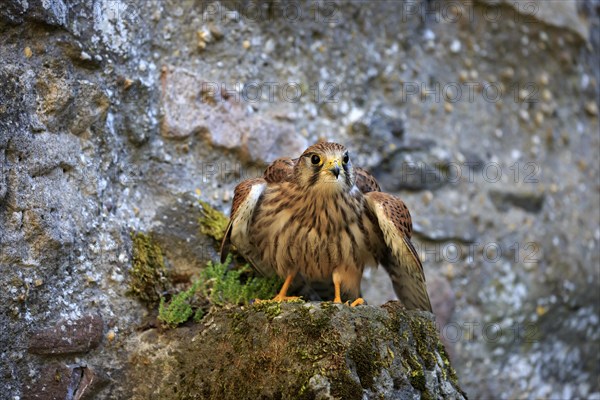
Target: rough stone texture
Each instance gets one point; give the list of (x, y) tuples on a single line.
[(195, 106), (87, 89), (68, 336), (563, 14), (56, 381), (528, 201), (53, 381), (311, 350)]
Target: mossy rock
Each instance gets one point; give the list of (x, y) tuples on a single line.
[(148, 276), (295, 351), (213, 223)]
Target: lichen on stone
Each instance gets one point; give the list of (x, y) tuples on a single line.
[(213, 223), (148, 276)]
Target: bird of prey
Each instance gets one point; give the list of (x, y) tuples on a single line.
[(319, 217)]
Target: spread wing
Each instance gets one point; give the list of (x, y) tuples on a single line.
[(245, 198), (399, 257)]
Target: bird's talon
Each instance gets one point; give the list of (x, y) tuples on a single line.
[(357, 302)]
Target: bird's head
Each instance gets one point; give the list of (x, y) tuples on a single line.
[(325, 166)]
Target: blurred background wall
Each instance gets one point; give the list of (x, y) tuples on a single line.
[(482, 115)]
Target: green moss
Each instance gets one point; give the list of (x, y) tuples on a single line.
[(298, 342), (318, 344), (424, 339), (213, 223), (365, 357), (328, 307), (271, 308), (312, 321), (148, 275), (240, 325), (423, 332), (366, 354), (344, 387), (428, 346), (417, 380), (447, 369)]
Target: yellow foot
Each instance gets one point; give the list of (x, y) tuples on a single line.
[(278, 298), (357, 302)]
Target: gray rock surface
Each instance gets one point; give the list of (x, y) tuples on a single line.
[(109, 124)]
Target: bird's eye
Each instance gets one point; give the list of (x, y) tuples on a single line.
[(346, 158), (315, 159)]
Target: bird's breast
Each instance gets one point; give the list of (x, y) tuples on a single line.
[(310, 234)]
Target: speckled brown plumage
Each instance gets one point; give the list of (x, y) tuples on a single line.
[(365, 181), (319, 217), (279, 170)]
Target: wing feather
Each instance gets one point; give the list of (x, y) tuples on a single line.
[(246, 192), (280, 170), (399, 258), (245, 198), (365, 181)]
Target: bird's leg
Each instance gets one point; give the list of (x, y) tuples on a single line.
[(282, 295), (337, 282)]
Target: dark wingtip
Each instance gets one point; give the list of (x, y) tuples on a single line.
[(224, 250), (223, 257)]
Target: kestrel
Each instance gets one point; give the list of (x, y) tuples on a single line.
[(319, 217)]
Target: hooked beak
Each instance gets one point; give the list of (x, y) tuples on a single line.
[(334, 168)]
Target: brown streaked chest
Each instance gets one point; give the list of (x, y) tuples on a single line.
[(320, 232)]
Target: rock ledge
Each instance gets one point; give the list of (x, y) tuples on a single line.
[(296, 350)]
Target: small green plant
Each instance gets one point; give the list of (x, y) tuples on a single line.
[(224, 286), (179, 308), (217, 286)]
